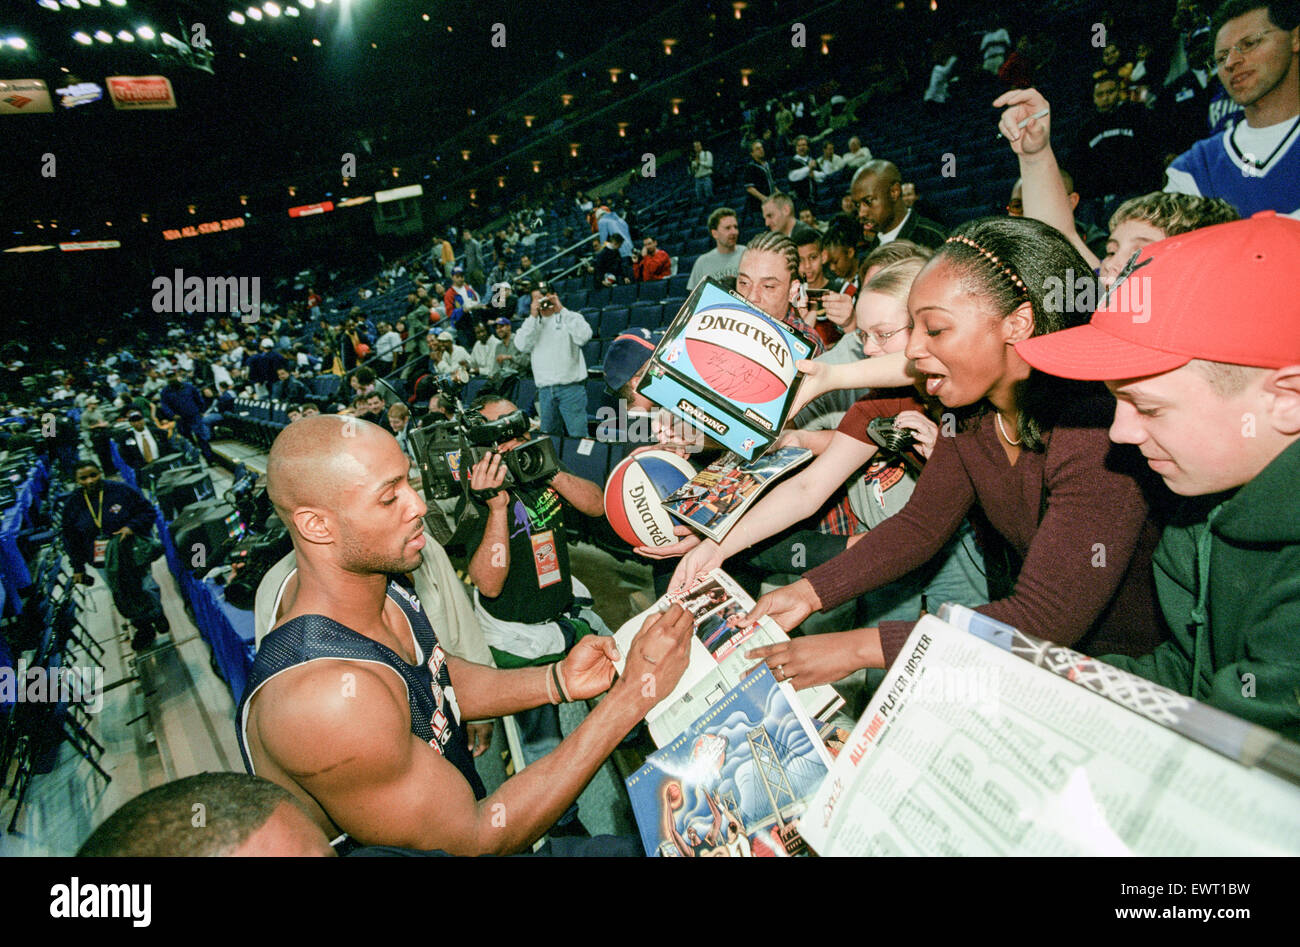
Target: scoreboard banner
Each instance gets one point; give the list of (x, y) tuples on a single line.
[(141, 92), (24, 96)]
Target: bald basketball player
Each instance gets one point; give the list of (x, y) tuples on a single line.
[(353, 706)]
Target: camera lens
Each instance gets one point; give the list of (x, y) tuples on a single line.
[(529, 462)]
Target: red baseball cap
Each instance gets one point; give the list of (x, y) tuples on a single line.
[(1225, 293)]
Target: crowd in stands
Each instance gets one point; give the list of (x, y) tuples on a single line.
[(1040, 433)]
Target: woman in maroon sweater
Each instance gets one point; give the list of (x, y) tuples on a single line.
[(1030, 450)]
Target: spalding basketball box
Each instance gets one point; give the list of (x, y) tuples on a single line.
[(726, 367)]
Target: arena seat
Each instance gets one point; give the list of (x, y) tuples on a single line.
[(613, 320), (623, 294), (652, 291)]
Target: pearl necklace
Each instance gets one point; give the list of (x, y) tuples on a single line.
[(1001, 430)]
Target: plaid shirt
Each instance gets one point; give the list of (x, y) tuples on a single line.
[(839, 519), (805, 330)]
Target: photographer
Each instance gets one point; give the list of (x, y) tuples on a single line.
[(553, 337), (524, 588)]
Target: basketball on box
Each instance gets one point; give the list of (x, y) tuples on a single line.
[(633, 493), (739, 355)]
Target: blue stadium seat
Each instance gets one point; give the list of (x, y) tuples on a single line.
[(652, 291), (613, 320), (591, 353), (644, 315), (623, 294), (574, 298), (677, 284), (590, 465), (526, 395), (592, 315), (473, 388)]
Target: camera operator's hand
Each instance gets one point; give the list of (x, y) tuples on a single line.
[(489, 474), (924, 430), (556, 305)]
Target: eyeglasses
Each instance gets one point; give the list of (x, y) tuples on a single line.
[(1246, 46), (880, 338)]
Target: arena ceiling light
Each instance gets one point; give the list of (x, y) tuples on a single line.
[(290, 11), (118, 3), (72, 4), (126, 36), (254, 13), (91, 3), (145, 32), (103, 37), (82, 38), (272, 9), (16, 42), (48, 4), (308, 4), (237, 18)]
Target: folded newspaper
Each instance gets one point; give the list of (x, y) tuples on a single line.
[(717, 659), (985, 741), (714, 499)]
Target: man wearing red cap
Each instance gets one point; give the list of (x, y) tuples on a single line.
[(1201, 346)]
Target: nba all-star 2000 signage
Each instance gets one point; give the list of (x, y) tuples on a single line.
[(728, 368)]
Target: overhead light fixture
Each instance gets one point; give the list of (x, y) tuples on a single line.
[(501, 182), (566, 99), (494, 138), (537, 167), (397, 172), (118, 3), (272, 9), (290, 11), (103, 37), (464, 153), (622, 129), (308, 4), (17, 42), (744, 76), (826, 39), (677, 106), (192, 209), (528, 120), (573, 149), (254, 13), (144, 218), (738, 6), (424, 17), (72, 4), (614, 73), (315, 42), (243, 200), (49, 4), (82, 38), (668, 46), (238, 18), (145, 32), (91, 3), (126, 36)]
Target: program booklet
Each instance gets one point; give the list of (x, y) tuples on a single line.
[(735, 782), (717, 660), (728, 368), (969, 748), (715, 498)]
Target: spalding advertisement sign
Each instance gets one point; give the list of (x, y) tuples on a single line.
[(727, 368)]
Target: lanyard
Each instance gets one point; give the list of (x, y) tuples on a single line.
[(97, 517)]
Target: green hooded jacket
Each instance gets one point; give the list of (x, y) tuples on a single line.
[(1229, 587)]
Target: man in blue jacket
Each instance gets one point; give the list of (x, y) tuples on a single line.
[(182, 401), (101, 512)]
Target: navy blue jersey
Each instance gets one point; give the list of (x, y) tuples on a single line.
[(434, 718)]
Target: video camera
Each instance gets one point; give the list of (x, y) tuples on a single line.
[(446, 451)]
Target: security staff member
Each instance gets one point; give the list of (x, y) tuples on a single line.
[(94, 516)]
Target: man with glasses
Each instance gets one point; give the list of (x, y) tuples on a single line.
[(1254, 164)]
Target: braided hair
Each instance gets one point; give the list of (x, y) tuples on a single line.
[(772, 242), (1010, 261)]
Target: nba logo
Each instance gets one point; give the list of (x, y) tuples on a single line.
[(747, 444)]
